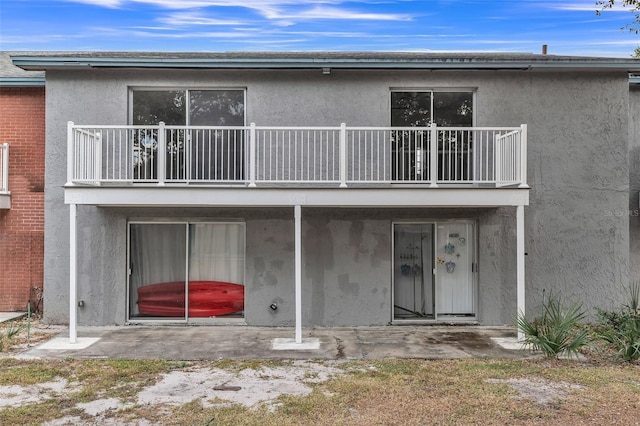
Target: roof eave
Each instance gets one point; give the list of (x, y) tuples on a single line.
[(32, 63), (22, 81)]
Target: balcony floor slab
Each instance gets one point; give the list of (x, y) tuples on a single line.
[(400, 197)]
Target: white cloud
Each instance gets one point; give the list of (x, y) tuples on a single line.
[(102, 3), (280, 12), (195, 18), (585, 6), (322, 12), (192, 4), (243, 34)]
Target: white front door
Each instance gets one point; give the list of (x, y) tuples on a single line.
[(433, 270), (454, 273)]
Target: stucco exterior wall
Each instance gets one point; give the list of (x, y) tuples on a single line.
[(346, 262), (578, 173), (634, 181)]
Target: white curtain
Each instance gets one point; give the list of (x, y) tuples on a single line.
[(216, 252)]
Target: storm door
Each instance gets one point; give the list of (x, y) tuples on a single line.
[(414, 286), (455, 270), (183, 271), (434, 271)]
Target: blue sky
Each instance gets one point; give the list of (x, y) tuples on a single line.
[(568, 27)]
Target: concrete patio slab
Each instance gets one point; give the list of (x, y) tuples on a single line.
[(247, 342), (9, 316), (63, 343), (511, 343), (283, 343)]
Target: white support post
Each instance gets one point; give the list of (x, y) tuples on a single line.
[(520, 293), (70, 153), (297, 213), (252, 155), (73, 275), (343, 155), (433, 157), (4, 180), (523, 157), (162, 154)]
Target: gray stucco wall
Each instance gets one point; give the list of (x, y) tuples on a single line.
[(634, 181), (346, 267), (578, 173)]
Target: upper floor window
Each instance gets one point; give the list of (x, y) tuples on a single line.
[(223, 107), (203, 154), (421, 108), (411, 149)]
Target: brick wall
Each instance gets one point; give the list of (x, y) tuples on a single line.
[(22, 125)]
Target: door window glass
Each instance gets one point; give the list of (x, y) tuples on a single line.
[(153, 106), (158, 259), (411, 149), (157, 270), (200, 155), (216, 108)]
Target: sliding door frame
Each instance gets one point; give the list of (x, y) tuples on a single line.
[(186, 319), (475, 272)]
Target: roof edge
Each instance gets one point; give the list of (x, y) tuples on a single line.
[(22, 81), (291, 61)]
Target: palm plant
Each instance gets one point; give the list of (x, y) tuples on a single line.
[(622, 329), (557, 331)]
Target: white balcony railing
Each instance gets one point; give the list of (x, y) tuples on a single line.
[(4, 168), (259, 156)]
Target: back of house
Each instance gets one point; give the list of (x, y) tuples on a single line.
[(334, 189)]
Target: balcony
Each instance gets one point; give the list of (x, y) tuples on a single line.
[(298, 159), (5, 195)]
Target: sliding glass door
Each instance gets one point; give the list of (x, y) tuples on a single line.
[(186, 270), (434, 272), (411, 149), (196, 154)]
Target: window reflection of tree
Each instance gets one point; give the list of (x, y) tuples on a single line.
[(214, 155), (219, 154), (411, 150)]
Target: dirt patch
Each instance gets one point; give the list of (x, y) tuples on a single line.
[(210, 387), (216, 387), (544, 392), (15, 396)]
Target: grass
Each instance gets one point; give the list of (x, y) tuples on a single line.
[(8, 335), (376, 392)]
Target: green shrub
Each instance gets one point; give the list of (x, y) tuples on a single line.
[(7, 336), (557, 332), (621, 329)]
